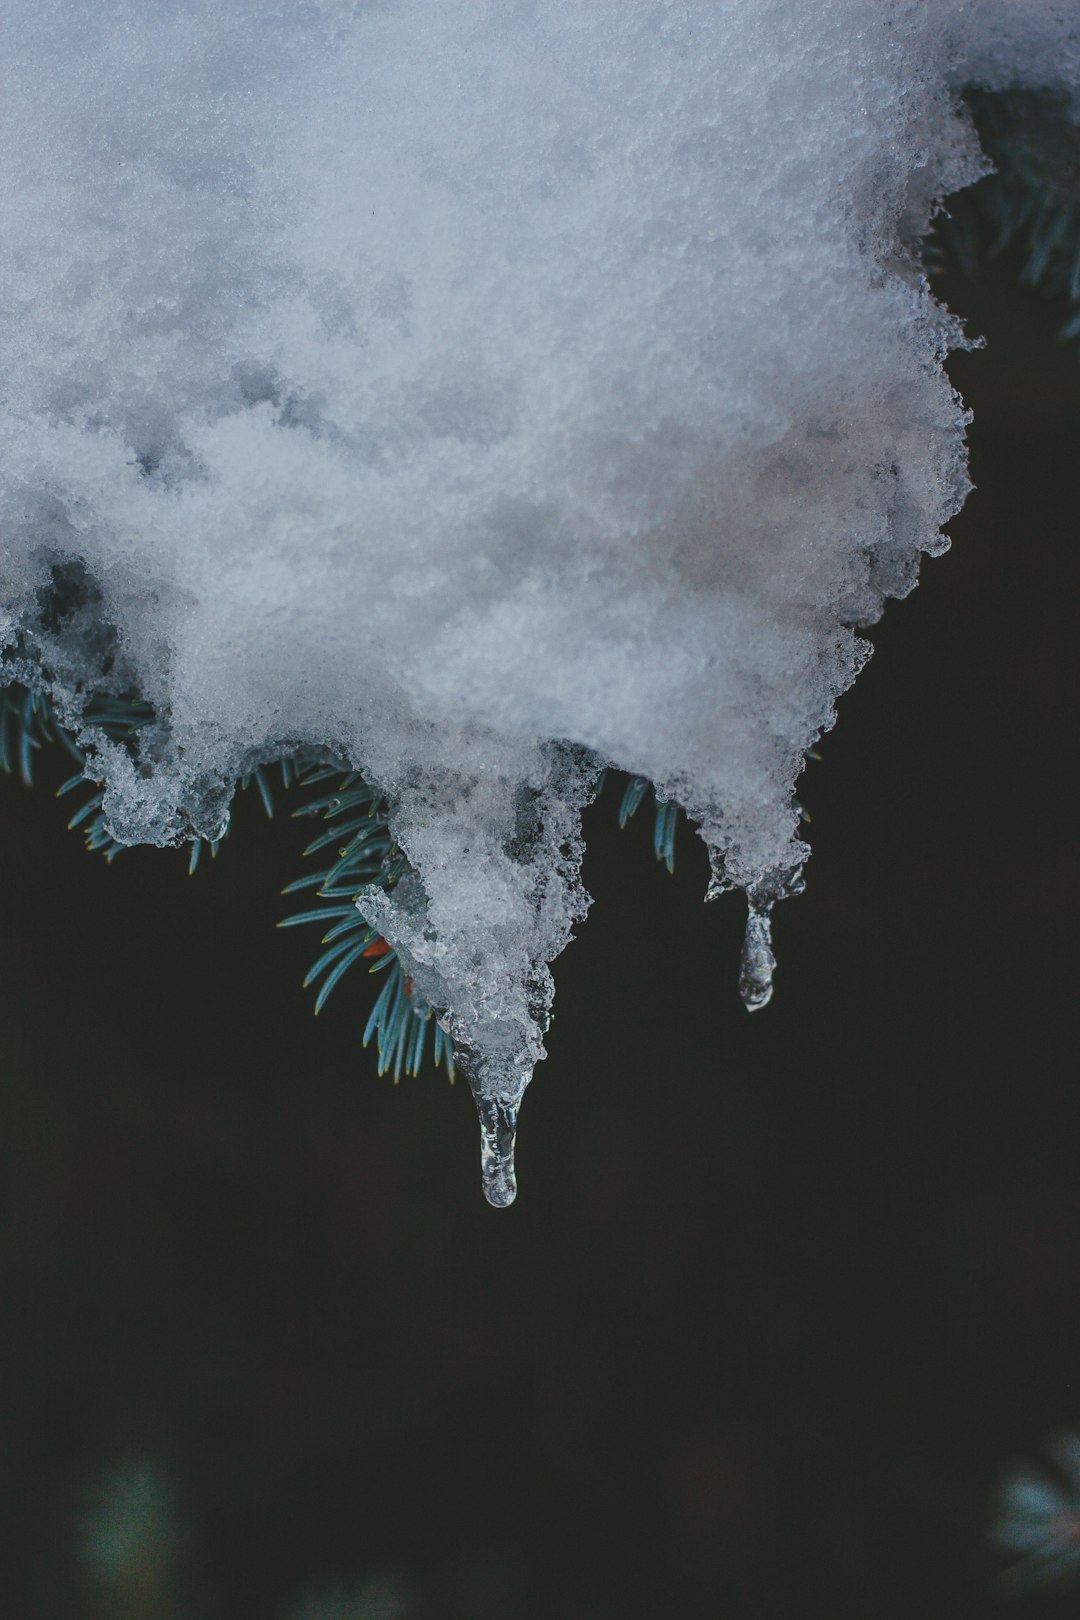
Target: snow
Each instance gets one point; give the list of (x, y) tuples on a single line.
[(486, 391)]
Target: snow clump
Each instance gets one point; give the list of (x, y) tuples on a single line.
[(484, 391)]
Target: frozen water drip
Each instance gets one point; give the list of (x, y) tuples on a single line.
[(498, 1128), (758, 963)]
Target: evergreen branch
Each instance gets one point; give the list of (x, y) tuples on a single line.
[(1032, 200), (667, 818), (26, 723), (366, 853), (400, 1018), (357, 831)]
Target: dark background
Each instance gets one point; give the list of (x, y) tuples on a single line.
[(781, 1300)]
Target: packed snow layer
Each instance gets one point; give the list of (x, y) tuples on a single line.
[(485, 391)]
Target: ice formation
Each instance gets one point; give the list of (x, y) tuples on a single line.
[(485, 391)]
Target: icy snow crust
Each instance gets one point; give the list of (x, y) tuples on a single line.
[(485, 391)]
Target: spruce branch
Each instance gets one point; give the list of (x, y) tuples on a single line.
[(357, 832), (366, 853), (1032, 199)]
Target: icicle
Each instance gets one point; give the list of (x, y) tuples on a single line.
[(758, 962), (498, 1127), (719, 883)]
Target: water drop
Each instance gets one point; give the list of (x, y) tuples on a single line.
[(758, 962), (498, 1127)]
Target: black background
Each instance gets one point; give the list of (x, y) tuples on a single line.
[(782, 1298)]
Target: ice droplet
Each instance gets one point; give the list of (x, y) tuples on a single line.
[(758, 962), (498, 1127)]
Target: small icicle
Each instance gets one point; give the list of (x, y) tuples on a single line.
[(498, 1126), (758, 962), (719, 883)]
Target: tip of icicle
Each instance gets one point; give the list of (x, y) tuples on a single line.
[(501, 1188), (758, 962), (755, 999), (498, 1126)]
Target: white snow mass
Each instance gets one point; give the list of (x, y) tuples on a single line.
[(485, 391)]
